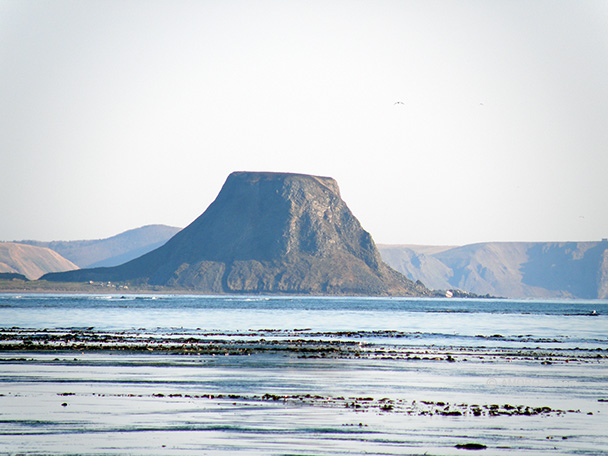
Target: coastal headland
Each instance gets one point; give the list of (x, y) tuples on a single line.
[(265, 233)]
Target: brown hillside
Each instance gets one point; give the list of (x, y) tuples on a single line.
[(31, 261)]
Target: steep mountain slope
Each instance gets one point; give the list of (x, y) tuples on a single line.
[(114, 250), (31, 261), (267, 233), (510, 269)]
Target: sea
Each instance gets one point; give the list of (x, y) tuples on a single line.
[(415, 375)]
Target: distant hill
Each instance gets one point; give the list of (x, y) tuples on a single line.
[(12, 276), (31, 261), (266, 233), (509, 269), (111, 251)]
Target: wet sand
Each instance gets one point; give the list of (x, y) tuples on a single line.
[(80, 391)]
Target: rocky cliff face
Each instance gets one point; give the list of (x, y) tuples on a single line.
[(267, 233), (602, 277)]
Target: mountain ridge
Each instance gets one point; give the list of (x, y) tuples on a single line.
[(509, 269), (110, 251)]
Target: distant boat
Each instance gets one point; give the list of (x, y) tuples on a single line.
[(449, 294)]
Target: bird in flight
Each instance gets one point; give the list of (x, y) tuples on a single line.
[(399, 102)]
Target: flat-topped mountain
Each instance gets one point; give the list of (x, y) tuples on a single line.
[(266, 233)]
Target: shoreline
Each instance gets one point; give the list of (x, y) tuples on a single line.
[(67, 288)]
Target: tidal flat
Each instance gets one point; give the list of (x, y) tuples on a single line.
[(82, 392), (315, 378)]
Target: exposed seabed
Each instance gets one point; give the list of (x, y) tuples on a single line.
[(294, 393)]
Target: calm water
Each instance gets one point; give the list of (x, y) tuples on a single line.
[(440, 321), (133, 403)]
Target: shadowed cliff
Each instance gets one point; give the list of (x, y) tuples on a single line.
[(266, 233)]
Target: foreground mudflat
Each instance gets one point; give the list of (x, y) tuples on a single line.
[(94, 375), (130, 394)]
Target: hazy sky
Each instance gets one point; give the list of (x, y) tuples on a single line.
[(118, 114)]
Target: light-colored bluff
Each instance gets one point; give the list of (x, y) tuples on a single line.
[(266, 233)]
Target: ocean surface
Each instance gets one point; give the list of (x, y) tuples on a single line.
[(412, 378)]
